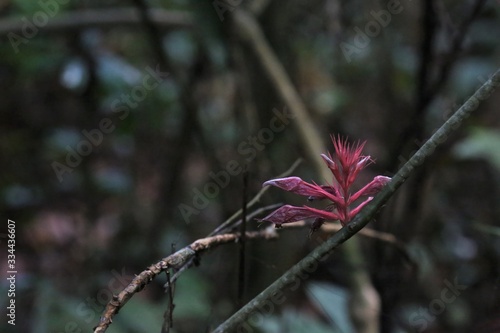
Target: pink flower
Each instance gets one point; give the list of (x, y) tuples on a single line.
[(345, 168)]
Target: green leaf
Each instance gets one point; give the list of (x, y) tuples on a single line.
[(333, 300), (293, 321), (480, 144), (488, 229)]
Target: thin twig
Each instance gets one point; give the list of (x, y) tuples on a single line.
[(66, 21), (427, 88), (168, 322), (174, 261), (255, 213), (361, 220), (450, 58), (243, 229), (231, 221), (334, 227), (249, 29)]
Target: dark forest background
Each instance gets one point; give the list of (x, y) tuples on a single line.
[(120, 120)]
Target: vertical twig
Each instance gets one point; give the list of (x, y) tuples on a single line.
[(233, 219), (427, 88), (168, 321), (243, 230), (189, 122), (175, 261), (450, 58)]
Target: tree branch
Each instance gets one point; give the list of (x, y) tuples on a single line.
[(183, 259), (362, 219), (102, 18), (176, 260)]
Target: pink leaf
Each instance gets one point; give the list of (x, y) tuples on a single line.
[(371, 188), (356, 210), (298, 186), (288, 213), (345, 166)]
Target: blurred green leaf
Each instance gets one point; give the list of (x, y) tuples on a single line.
[(139, 315), (191, 296), (293, 321), (488, 229), (480, 144), (333, 300)]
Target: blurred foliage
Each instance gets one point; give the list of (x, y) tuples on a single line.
[(117, 209)]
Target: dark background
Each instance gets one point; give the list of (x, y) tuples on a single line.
[(67, 67)]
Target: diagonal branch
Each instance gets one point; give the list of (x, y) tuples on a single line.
[(184, 258), (361, 220), (176, 260)]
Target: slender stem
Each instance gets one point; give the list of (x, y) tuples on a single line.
[(102, 18), (310, 262), (232, 220), (243, 230)]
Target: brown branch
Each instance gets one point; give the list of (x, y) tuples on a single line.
[(101, 18), (334, 227), (232, 222), (176, 260)]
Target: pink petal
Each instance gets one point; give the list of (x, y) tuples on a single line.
[(298, 186), (333, 167), (327, 215), (363, 162), (371, 188), (292, 184), (350, 161), (356, 210), (347, 154), (356, 168)]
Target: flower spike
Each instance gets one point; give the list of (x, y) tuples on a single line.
[(345, 166)]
